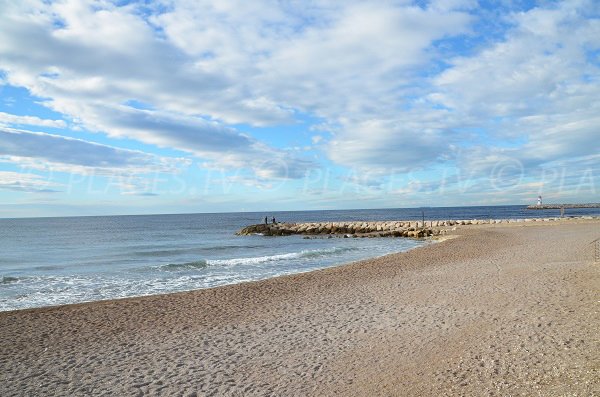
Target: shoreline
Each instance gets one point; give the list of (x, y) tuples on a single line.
[(446, 232), (340, 264), (408, 323)]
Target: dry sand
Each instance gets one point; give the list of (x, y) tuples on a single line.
[(499, 311)]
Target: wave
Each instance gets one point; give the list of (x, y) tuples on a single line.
[(201, 264), (165, 252), (262, 259), (279, 257), (327, 251), (228, 247), (177, 251), (9, 280), (48, 267)]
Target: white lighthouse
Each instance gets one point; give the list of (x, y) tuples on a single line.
[(539, 200)]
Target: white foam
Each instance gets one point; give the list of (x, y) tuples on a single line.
[(278, 257)]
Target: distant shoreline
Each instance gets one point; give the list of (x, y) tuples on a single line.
[(561, 206)]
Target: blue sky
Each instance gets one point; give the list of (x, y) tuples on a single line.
[(126, 107)]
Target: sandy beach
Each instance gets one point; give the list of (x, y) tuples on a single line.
[(498, 310)]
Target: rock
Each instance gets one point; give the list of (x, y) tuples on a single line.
[(413, 229)]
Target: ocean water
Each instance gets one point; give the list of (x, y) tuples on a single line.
[(53, 261)]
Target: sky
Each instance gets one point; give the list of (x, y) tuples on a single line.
[(182, 106)]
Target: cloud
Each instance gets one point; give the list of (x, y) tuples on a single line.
[(541, 89), (387, 146), (245, 181), (7, 118), (21, 182), (92, 89), (539, 67), (107, 37), (508, 110), (221, 146), (227, 63), (359, 61), (53, 152), (395, 86)]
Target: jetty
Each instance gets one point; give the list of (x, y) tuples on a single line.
[(411, 229), (561, 206)]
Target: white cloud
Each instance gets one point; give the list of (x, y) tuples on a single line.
[(101, 56), (229, 61), (316, 139), (7, 118), (385, 81), (222, 146), (57, 153), (20, 182), (532, 98), (385, 146), (359, 62), (537, 87)]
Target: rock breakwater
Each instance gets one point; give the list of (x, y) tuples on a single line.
[(411, 229)]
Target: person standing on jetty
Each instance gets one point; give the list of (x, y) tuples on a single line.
[(274, 222), (266, 220)]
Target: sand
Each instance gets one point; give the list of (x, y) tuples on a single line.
[(501, 310)]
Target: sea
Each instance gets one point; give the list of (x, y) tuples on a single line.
[(63, 260)]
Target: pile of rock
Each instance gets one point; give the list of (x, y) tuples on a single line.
[(414, 229), (354, 229), (348, 229)]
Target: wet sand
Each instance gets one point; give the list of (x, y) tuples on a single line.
[(499, 310)]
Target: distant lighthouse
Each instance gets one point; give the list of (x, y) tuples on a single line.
[(539, 200)]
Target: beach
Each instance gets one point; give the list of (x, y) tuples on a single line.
[(503, 309)]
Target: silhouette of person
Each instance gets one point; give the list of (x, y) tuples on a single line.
[(266, 220), (274, 220)]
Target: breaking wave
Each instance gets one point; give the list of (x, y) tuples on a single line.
[(9, 280), (203, 263)]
